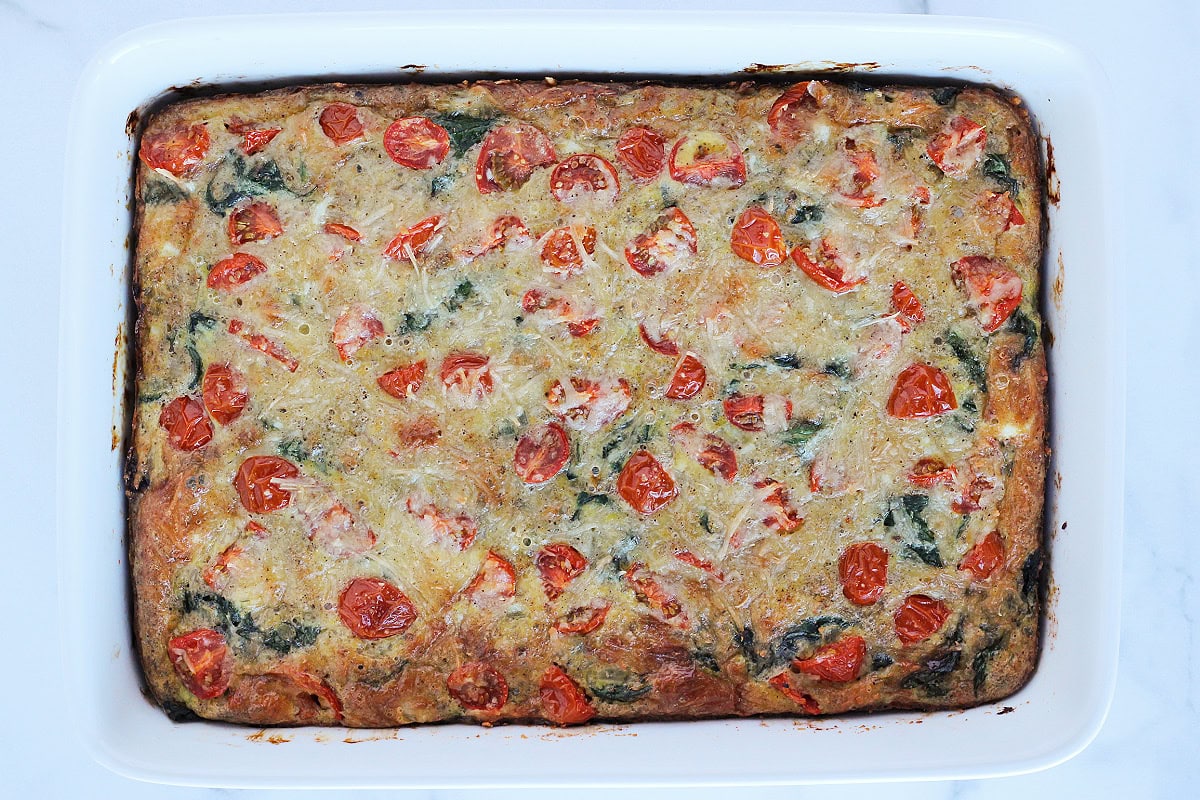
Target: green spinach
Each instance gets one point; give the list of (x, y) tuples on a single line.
[(996, 167), (465, 131), (962, 351)]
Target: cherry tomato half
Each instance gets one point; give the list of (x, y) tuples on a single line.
[(254, 223), (510, 155), (582, 620), (255, 483), (563, 702), (582, 176), (542, 453), (416, 142), (354, 328), (909, 311), (862, 569), (230, 273), (921, 391), (186, 425), (559, 564), (468, 375), (985, 557), (667, 245), (560, 249), (756, 238), (958, 147), (783, 684), (793, 114), (837, 662), (644, 484), (419, 240), (649, 591), (688, 379), (496, 579), (919, 617), (707, 158), (478, 687), (643, 152), (660, 344), (931, 472), (255, 139), (826, 268), (372, 608), (403, 382), (179, 151), (340, 123), (993, 289), (225, 392), (201, 660)]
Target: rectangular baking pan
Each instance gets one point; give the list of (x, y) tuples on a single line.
[(1048, 721)]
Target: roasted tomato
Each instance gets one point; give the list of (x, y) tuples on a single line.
[(225, 392), (403, 382), (372, 608), (230, 273), (921, 391), (693, 560), (589, 405), (783, 684), (178, 151), (186, 425), (758, 412), (643, 152), (416, 142), (457, 529), (256, 139), (340, 123), (582, 176), (985, 557), (478, 687), (659, 344), (710, 451), (563, 702), (864, 172), (756, 238), (552, 308), (862, 569), (909, 311), (919, 617), (216, 573), (793, 113), (776, 498), (413, 243), (264, 345), (510, 155), (666, 246), (505, 230), (993, 290), (999, 207), (582, 620), (286, 696), (467, 377), (649, 591), (688, 379), (256, 483), (930, 472), (559, 564), (644, 484), (334, 529), (826, 267), (542, 453), (496, 579), (958, 147), (355, 328), (708, 158), (838, 662), (560, 249), (254, 223), (201, 659)]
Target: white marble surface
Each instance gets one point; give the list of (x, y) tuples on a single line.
[(1149, 746)]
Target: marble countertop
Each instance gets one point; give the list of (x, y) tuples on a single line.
[(1147, 748)]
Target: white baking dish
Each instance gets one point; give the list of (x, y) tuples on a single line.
[(1054, 717)]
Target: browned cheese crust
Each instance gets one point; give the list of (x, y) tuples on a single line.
[(413, 562)]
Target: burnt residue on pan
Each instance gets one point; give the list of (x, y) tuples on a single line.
[(133, 121), (817, 66), (417, 68), (1053, 185), (1056, 289)]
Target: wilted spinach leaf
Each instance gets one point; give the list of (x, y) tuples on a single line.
[(465, 131)]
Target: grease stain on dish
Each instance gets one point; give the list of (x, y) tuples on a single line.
[(1053, 184), (1056, 291), (262, 736)]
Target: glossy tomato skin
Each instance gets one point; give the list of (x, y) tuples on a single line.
[(225, 392), (509, 156), (417, 241), (745, 411), (837, 662), (373, 608), (264, 345), (340, 122), (757, 238), (707, 158), (201, 659), (255, 483), (644, 484), (186, 425), (179, 151), (582, 176), (344, 231), (560, 249), (355, 328), (985, 557), (563, 701), (909, 311), (582, 620), (468, 374), (643, 152), (919, 617), (793, 113), (255, 139), (478, 687), (542, 453), (255, 222), (958, 147), (416, 142), (993, 289), (559, 564), (496, 579), (661, 345), (688, 379), (230, 273), (824, 266), (862, 570), (921, 391), (403, 382)]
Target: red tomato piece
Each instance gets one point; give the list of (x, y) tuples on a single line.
[(909, 311), (340, 123), (688, 379), (693, 560), (559, 564), (356, 327), (505, 230), (496, 579), (931, 472), (756, 238), (264, 345), (783, 516), (335, 530), (958, 147), (563, 702), (542, 453), (993, 290), (416, 142), (373, 608), (186, 425), (178, 151), (710, 451), (708, 158), (256, 483), (666, 246), (837, 662), (417, 241), (215, 573), (583, 327), (658, 344), (644, 484), (225, 392), (510, 155), (590, 405), (648, 590), (919, 617), (1000, 206), (643, 152), (344, 231), (230, 273), (582, 620), (862, 569), (985, 557), (478, 687), (467, 376), (201, 660), (560, 249), (403, 382), (582, 176), (866, 171), (758, 412), (459, 529), (826, 268), (806, 701), (254, 223), (256, 139), (284, 696), (792, 115), (921, 391)]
